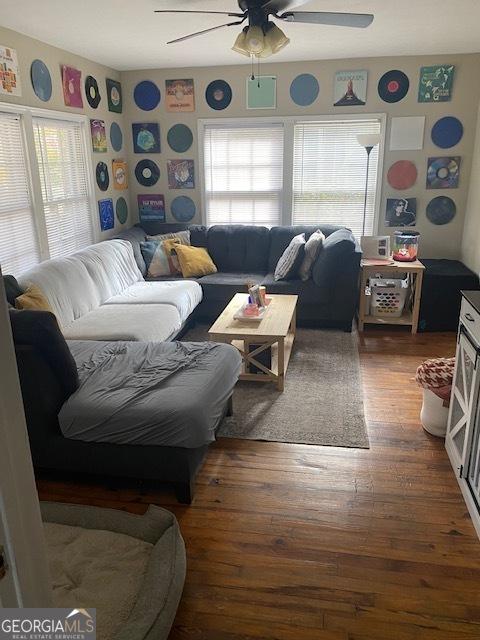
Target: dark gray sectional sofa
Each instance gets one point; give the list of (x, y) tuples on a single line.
[(250, 253)]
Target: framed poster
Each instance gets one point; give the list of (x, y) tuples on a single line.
[(401, 212), (106, 214), (9, 74), (151, 207), (436, 83), (179, 95), (262, 92), (350, 88), (120, 175), (72, 93), (146, 137), (99, 136), (180, 174)]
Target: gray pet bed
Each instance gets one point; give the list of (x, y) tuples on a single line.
[(152, 542)]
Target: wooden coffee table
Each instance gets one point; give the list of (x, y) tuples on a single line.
[(275, 331)]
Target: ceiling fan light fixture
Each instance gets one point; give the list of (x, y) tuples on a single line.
[(255, 40), (275, 38), (240, 45)]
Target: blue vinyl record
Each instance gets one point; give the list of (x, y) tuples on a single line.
[(180, 138), (183, 209), (441, 210), (147, 173), (304, 89), (41, 80), (116, 136), (447, 132), (146, 95)]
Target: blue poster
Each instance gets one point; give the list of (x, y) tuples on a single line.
[(151, 207), (105, 211)]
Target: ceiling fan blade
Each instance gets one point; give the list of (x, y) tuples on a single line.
[(360, 20), (199, 33), (221, 13), (275, 6)]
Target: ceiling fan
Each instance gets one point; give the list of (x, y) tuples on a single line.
[(261, 37)]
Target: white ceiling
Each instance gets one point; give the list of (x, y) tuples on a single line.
[(126, 34)]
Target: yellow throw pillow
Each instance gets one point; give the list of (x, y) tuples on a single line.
[(33, 298), (194, 261)]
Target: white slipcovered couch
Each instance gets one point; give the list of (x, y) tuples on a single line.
[(98, 293)]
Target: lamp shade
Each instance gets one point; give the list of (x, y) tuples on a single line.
[(369, 139), (240, 45), (260, 42)]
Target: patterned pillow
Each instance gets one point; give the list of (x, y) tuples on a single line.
[(291, 259), (159, 259), (312, 247)]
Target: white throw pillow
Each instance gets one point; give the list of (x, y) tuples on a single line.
[(312, 248), (291, 258)]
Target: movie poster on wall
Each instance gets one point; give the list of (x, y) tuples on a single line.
[(350, 88), (9, 73), (180, 95), (151, 207)]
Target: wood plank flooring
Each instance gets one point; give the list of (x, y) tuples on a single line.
[(295, 542)]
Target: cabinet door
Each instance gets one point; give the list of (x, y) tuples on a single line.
[(463, 402)]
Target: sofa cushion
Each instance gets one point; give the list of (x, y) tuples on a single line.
[(184, 295), (239, 248), (307, 291), (223, 286), (137, 322), (39, 329), (339, 246), (194, 261), (312, 248), (33, 298), (157, 258), (280, 238), (291, 259)]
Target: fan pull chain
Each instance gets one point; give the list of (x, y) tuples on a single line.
[(252, 77), (258, 72)]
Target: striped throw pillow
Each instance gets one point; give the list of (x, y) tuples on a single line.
[(291, 259)]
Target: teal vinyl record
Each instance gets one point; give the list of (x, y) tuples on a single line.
[(121, 210), (183, 209), (180, 138), (41, 80), (116, 136)]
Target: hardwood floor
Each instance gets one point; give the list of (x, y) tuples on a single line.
[(294, 542)]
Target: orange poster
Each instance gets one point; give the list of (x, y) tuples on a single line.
[(180, 95)]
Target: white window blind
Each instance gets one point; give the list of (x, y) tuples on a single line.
[(18, 238), (59, 145), (329, 173), (243, 174)]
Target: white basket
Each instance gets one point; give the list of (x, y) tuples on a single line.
[(388, 297)]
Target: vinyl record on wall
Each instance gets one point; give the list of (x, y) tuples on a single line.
[(92, 92), (116, 136), (121, 210), (402, 175), (147, 173), (114, 95), (101, 173), (393, 86), (443, 173), (304, 89), (218, 94), (180, 138), (146, 95), (441, 210), (447, 132), (183, 209), (41, 80)]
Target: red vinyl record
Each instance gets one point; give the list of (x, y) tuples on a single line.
[(402, 175)]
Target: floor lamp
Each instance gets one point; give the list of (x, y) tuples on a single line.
[(368, 142)]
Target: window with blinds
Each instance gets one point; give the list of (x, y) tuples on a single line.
[(18, 238), (329, 173), (243, 174), (62, 165)]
